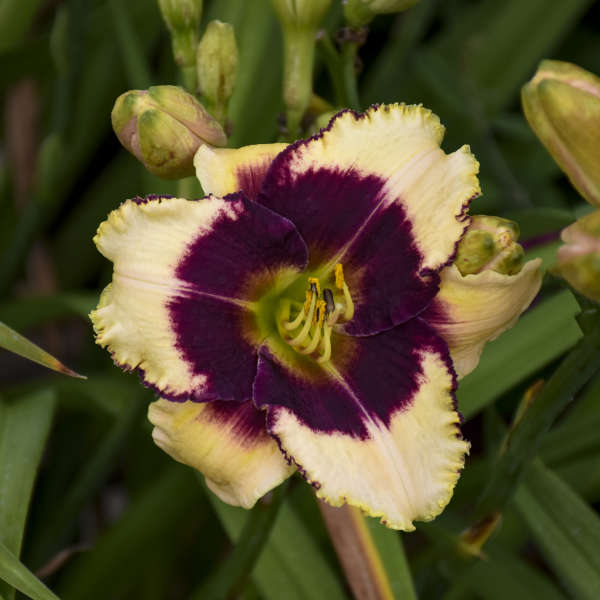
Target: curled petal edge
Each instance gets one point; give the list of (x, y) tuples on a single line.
[(471, 310)]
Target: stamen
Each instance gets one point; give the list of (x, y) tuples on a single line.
[(335, 315), (313, 282), (301, 337), (349, 312), (340, 284), (320, 313), (291, 325), (325, 344), (307, 299), (313, 343), (328, 297)]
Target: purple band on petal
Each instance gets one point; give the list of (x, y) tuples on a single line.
[(246, 421), (380, 378), (250, 177), (345, 217), (210, 339), (246, 240)]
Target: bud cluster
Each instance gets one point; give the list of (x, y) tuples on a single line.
[(490, 244)]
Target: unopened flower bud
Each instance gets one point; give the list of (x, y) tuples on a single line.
[(182, 18), (490, 243), (578, 261), (562, 105), (361, 12), (163, 127), (216, 65)]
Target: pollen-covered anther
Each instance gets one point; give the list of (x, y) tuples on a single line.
[(341, 284)]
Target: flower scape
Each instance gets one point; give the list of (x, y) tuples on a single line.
[(308, 313)]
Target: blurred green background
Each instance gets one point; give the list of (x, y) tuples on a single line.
[(86, 500)]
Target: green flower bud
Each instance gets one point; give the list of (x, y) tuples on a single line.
[(216, 65), (182, 18), (562, 105), (163, 127), (361, 12), (578, 261), (299, 20), (490, 244)]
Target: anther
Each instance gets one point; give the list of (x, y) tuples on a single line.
[(328, 297), (315, 286), (340, 283), (339, 276)]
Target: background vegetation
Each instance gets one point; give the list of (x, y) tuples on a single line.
[(87, 501)]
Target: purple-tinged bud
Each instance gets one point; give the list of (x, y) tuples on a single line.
[(490, 244), (578, 261), (163, 127), (562, 105)]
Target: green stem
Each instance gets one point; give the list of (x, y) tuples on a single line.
[(333, 61), (349, 54), (523, 441), (299, 58), (189, 78), (230, 577)]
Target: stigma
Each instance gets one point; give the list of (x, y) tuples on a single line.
[(309, 331)]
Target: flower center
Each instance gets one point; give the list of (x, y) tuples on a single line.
[(307, 326)]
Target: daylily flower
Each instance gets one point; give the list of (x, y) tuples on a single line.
[(291, 318)]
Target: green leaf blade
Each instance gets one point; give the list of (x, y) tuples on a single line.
[(17, 344), (565, 528)]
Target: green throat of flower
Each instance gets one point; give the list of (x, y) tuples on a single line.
[(307, 326)]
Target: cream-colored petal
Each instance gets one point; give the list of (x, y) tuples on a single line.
[(403, 471), (399, 146), (239, 460), (474, 309), (222, 171)]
